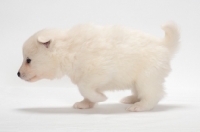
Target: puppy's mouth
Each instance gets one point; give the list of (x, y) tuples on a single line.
[(32, 79)]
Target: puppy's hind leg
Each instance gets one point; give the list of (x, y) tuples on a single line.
[(131, 99), (150, 90)]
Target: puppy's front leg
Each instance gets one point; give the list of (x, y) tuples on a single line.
[(90, 98), (92, 94)]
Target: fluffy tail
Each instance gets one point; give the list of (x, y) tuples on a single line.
[(171, 39)]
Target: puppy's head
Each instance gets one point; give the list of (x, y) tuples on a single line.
[(38, 56)]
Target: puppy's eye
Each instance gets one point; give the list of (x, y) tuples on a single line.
[(28, 60)]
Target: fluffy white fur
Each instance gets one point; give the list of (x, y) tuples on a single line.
[(100, 58)]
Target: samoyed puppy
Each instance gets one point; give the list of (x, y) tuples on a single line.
[(101, 58)]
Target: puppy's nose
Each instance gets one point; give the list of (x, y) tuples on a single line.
[(18, 74)]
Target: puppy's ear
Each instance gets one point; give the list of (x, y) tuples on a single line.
[(44, 40)]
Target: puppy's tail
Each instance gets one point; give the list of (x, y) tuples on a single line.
[(172, 35)]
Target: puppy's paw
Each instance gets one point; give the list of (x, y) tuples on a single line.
[(138, 107), (85, 104), (129, 100)]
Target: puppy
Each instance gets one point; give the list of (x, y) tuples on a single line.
[(100, 58)]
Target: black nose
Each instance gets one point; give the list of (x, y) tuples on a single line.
[(18, 74)]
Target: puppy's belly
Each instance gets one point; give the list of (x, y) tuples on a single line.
[(116, 85)]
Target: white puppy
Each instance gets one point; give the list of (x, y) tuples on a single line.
[(100, 58)]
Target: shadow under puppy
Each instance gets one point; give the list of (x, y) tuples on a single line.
[(100, 58)]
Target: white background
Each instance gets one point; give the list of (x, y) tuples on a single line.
[(46, 105)]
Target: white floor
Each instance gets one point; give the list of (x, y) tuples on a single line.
[(50, 109)]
